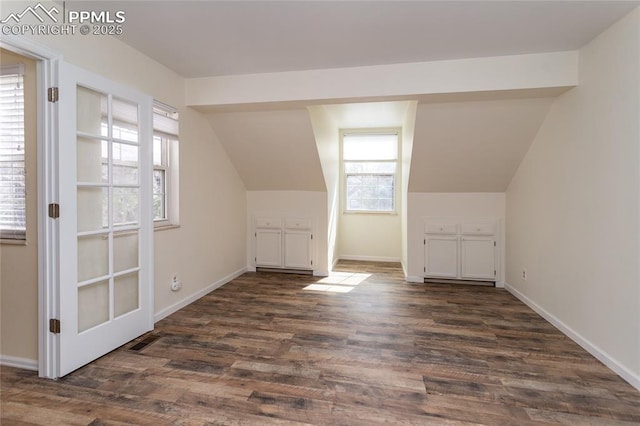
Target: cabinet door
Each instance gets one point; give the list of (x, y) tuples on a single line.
[(478, 260), (297, 249), (441, 256), (269, 247)]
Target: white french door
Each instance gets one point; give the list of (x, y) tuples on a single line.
[(106, 225)]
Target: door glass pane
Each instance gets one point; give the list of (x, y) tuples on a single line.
[(125, 206), (93, 208), (125, 164), (125, 297), (93, 257), (158, 153), (93, 305), (125, 120), (125, 251), (159, 207), (92, 111), (92, 157)]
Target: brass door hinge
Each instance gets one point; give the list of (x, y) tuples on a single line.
[(53, 94), (54, 326), (54, 210)]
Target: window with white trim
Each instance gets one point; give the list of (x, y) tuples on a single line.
[(12, 154), (370, 165), (165, 157), (165, 165)]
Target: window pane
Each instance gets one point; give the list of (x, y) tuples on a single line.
[(370, 192), (93, 305), (93, 208), (125, 120), (159, 195), (369, 167), (165, 161), (125, 250), (125, 164), (125, 294), (93, 257), (125, 206), (92, 158), (370, 147), (93, 114), (159, 207)]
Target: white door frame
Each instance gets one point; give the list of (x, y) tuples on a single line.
[(47, 113)]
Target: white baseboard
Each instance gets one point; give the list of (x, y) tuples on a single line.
[(500, 284), (14, 361), (192, 298), (369, 258), (320, 273), (415, 279), (335, 262), (602, 356)]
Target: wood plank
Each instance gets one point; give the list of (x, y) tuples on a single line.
[(263, 349)]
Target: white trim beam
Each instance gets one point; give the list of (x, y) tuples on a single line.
[(501, 73)]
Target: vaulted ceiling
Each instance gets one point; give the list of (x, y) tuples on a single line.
[(272, 150), (473, 146), (205, 38), (463, 142)]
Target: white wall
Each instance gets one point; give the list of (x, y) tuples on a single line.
[(376, 237), (328, 143), (408, 132), (573, 205), (292, 204), (209, 245), (19, 262), (460, 205)]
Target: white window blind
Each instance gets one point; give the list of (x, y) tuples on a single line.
[(12, 154)]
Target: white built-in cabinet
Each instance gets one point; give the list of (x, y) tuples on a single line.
[(460, 250), (284, 243)]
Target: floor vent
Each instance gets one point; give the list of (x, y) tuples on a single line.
[(144, 343), (463, 282), (285, 271)]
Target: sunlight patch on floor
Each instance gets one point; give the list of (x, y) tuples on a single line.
[(338, 282)]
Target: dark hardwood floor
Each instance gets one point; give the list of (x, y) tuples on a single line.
[(363, 347)]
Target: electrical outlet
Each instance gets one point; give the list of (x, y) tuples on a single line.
[(175, 283), (524, 274)]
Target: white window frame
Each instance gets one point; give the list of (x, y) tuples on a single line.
[(18, 236), (170, 167), (396, 175)]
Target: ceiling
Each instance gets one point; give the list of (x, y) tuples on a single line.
[(212, 38), (272, 150), (473, 146), (463, 142)]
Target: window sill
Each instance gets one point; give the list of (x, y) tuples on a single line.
[(165, 227), (365, 212), (11, 242)]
